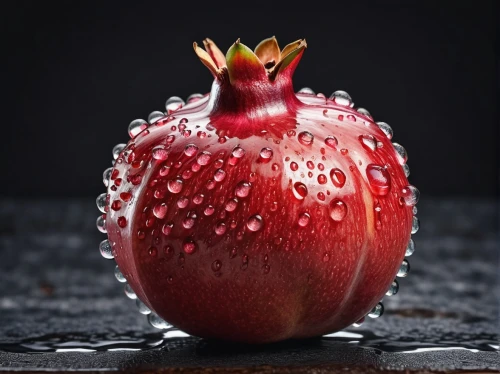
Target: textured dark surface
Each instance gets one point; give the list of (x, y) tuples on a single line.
[(56, 292)]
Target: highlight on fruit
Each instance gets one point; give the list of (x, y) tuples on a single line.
[(254, 213)]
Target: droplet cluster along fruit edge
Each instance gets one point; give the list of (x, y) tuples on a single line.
[(227, 209)]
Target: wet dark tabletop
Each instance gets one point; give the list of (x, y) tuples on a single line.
[(57, 293)]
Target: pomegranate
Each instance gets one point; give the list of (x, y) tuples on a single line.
[(257, 214)]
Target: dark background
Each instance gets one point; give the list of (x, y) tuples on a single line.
[(76, 73)]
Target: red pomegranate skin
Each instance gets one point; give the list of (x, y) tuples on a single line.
[(255, 214)]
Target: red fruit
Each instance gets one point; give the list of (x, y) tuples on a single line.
[(256, 214)]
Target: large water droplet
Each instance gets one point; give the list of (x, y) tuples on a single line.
[(106, 250), (411, 195), (157, 322), (136, 126), (160, 153), (242, 189), (404, 269), (129, 292), (190, 150), (101, 223), (174, 103), (266, 154), (322, 179), (155, 116), (338, 177), (306, 138), (341, 98), (219, 175), (101, 202), (299, 190), (364, 112), (368, 142), (377, 311), (386, 129), (189, 221), (143, 309), (160, 210), (393, 289), (209, 210), (306, 90), (401, 153), (117, 149), (415, 225), (231, 204), (304, 219), (220, 228), (410, 248), (175, 185), (106, 176), (255, 222), (194, 97), (122, 222), (118, 275), (238, 152), (189, 246), (294, 166), (379, 179), (203, 158), (338, 210), (406, 170), (331, 141)]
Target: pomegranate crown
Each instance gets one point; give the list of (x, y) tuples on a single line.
[(266, 62)]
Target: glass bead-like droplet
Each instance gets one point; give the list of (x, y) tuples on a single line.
[(155, 116), (101, 224), (406, 170), (101, 202), (106, 176), (106, 250), (386, 129), (411, 195), (194, 97), (337, 210), (364, 112), (266, 154), (160, 152), (377, 311), (306, 90), (338, 177), (255, 222), (300, 190), (359, 322), (129, 292), (401, 153), (174, 103), (368, 142), (117, 149), (304, 219), (306, 138), (379, 179), (157, 322), (331, 141), (393, 289), (242, 189), (175, 185), (404, 269), (410, 248), (136, 126), (341, 98), (118, 275), (143, 309), (415, 225)]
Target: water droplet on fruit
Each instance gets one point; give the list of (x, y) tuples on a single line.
[(189, 246), (141, 234), (117, 149), (379, 179), (322, 179), (174, 103), (143, 309), (106, 250), (167, 228), (306, 90), (238, 152), (175, 185), (294, 166), (321, 196), (291, 133), (341, 98), (242, 189), (401, 153), (410, 248), (153, 252), (304, 219), (198, 198), (310, 165), (122, 222), (106, 176), (415, 225), (393, 289), (101, 202), (194, 97), (306, 138), (404, 269), (411, 195), (266, 154), (219, 175), (231, 204), (118, 275), (338, 210), (364, 112), (350, 117), (203, 158), (220, 228), (414, 210), (386, 129), (182, 202), (157, 322), (209, 210), (255, 222), (406, 170), (299, 190), (160, 210), (136, 126), (331, 141), (377, 311), (359, 322), (101, 223), (155, 116), (189, 221), (368, 142), (190, 150), (216, 265), (160, 153), (338, 177)]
